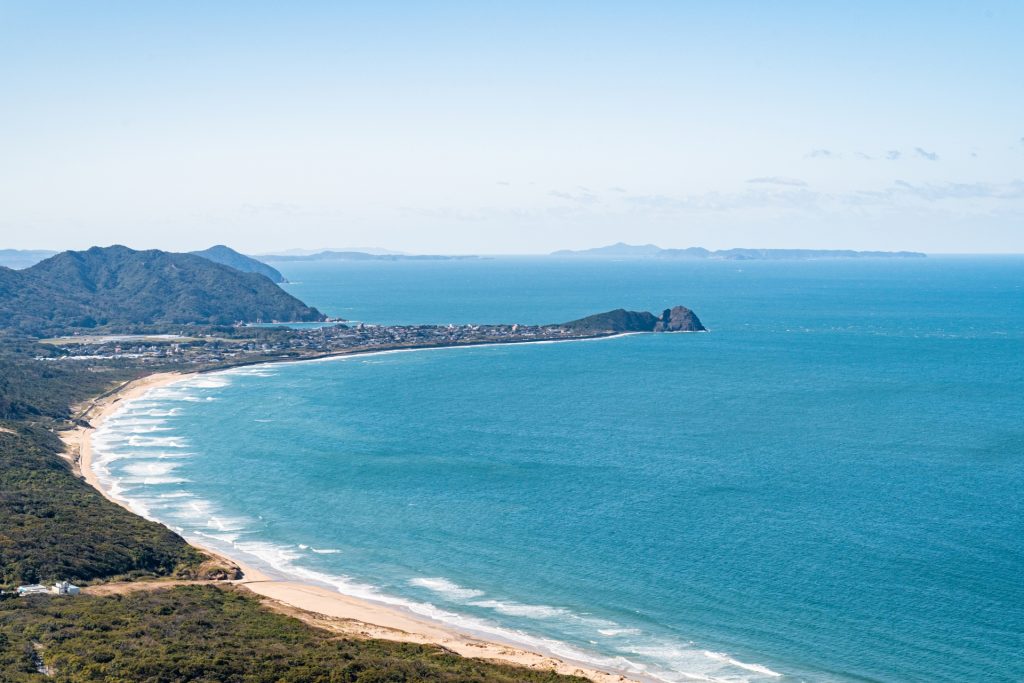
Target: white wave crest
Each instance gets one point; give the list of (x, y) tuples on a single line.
[(221, 523), (755, 668), (148, 468), (153, 480), (157, 442), (217, 381), (683, 659), (446, 588), (515, 609), (616, 632)]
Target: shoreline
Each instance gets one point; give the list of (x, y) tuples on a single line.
[(315, 604)]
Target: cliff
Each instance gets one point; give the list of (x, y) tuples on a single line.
[(679, 319)]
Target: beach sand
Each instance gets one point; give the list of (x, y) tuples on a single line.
[(316, 605)]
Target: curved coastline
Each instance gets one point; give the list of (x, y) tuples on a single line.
[(325, 604)]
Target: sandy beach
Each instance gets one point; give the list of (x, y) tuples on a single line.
[(316, 605)]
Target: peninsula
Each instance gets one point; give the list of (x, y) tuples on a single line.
[(252, 344), (83, 332)]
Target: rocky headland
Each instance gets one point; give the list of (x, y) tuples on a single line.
[(675, 319)]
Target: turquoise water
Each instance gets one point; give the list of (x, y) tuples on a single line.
[(827, 487)]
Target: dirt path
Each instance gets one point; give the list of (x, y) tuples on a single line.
[(126, 587)]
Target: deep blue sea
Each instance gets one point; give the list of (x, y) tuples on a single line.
[(826, 487)]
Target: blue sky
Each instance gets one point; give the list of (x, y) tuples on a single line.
[(512, 127)]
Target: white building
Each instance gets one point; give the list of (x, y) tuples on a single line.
[(59, 588)]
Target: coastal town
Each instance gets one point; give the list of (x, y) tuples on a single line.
[(250, 343)]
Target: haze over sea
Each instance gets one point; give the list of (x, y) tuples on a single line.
[(827, 487)]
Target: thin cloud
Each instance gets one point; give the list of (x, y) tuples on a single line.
[(934, 192), (822, 154), (800, 198), (272, 208), (794, 197), (925, 154), (584, 198), (777, 180), (893, 155)]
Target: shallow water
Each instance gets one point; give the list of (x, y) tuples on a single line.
[(826, 487)]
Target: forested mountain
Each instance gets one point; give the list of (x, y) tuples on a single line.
[(119, 286), (229, 257)]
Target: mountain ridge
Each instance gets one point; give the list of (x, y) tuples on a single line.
[(110, 286)]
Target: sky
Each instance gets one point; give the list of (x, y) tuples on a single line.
[(519, 127)]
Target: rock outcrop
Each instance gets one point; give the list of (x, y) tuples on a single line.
[(679, 319)]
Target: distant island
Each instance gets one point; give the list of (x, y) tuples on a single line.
[(19, 259), (623, 250), (23, 258), (361, 256), (227, 256)]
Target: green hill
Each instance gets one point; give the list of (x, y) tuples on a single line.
[(619, 320), (229, 257), (119, 286)]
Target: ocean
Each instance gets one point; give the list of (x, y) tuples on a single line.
[(825, 487)]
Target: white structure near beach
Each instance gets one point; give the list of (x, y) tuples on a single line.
[(59, 588)]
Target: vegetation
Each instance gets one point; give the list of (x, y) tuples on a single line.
[(619, 320), (117, 285), (31, 389), (210, 634), (229, 257), (52, 524), (55, 526)]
